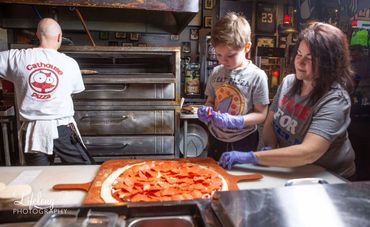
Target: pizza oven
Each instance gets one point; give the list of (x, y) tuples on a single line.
[(130, 107)]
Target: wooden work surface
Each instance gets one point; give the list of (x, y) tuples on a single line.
[(107, 168), (44, 195)]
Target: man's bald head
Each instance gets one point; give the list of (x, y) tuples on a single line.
[(49, 33)]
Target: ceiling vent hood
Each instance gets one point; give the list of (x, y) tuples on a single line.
[(151, 16)]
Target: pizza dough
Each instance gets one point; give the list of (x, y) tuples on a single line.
[(164, 184), (17, 191), (2, 186)]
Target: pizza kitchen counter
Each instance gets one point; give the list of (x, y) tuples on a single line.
[(43, 178)]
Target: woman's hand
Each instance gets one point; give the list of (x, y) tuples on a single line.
[(230, 158)]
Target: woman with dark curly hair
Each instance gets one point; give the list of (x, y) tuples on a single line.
[(308, 119)]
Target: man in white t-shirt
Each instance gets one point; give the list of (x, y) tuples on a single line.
[(44, 81)]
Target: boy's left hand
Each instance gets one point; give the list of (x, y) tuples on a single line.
[(225, 120)]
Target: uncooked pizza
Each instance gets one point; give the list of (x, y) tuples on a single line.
[(161, 180)]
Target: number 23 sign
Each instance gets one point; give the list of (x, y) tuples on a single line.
[(266, 21)]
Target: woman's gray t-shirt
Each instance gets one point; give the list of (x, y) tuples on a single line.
[(329, 118)]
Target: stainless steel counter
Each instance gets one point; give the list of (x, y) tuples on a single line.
[(42, 193), (317, 205)]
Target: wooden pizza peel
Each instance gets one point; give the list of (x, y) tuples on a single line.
[(108, 167)]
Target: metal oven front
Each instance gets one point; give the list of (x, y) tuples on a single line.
[(130, 106)]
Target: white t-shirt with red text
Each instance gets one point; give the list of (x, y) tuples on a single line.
[(44, 80)]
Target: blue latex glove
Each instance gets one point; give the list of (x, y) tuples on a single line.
[(203, 113), (225, 120), (230, 158)]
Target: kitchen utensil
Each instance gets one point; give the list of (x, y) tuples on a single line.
[(197, 139)]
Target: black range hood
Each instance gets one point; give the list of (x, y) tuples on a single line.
[(152, 16)]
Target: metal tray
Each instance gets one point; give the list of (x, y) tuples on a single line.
[(189, 213)]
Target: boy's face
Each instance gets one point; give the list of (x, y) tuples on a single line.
[(229, 57)]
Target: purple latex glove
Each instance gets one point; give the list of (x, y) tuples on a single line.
[(203, 113), (230, 158), (225, 120)]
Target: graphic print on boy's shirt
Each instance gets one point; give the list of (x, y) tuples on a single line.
[(43, 80), (288, 118), (229, 100)]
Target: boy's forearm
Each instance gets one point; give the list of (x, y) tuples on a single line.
[(258, 116), (254, 118)]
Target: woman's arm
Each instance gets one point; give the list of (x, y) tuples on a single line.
[(311, 149), (268, 133)]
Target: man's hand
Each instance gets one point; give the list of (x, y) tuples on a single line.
[(225, 120), (230, 158), (205, 113)]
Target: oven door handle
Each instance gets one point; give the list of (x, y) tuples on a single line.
[(119, 146), (103, 118), (102, 89)]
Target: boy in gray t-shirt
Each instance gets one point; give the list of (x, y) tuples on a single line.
[(237, 90)]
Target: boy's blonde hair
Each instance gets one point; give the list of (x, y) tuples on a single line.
[(232, 30)]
